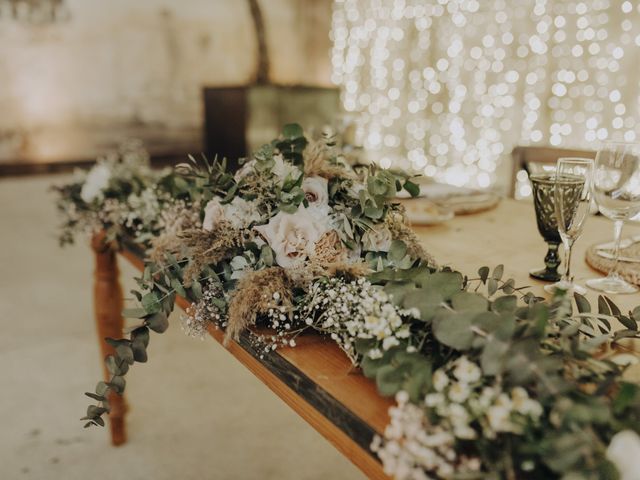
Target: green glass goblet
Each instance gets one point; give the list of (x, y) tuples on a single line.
[(543, 186)]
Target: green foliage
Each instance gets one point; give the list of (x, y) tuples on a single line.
[(556, 350), (292, 143)]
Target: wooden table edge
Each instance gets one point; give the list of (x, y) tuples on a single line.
[(358, 453)]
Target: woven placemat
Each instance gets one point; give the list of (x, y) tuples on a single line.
[(628, 270), (467, 204)]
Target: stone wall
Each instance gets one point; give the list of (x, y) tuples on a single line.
[(121, 69)]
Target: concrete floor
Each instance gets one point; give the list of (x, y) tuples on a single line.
[(196, 413)]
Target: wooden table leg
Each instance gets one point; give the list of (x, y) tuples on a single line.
[(107, 298)]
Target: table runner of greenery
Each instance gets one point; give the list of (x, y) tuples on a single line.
[(490, 381)]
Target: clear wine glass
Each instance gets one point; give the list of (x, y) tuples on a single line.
[(572, 200), (616, 189)]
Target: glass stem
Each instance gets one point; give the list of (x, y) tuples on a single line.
[(617, 236), (567, 255)]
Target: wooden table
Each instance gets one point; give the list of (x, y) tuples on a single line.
[(315, 378)]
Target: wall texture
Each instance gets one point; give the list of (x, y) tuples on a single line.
[(136, 69)]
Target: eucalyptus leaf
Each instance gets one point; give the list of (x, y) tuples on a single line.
[(151, 302), (582, 303), (427, 302), (158, 322), (468, 301), (178, 288), (483, 273), (125, 353), (492, 358), (498, 272), (196, 289), (412, 188), (603, 306), (292, 131), (95, 396), (454, 329), (117, 384), (134, 313), (445, 283), (505, 304), (397, 250), (628, 322), (492, 286)]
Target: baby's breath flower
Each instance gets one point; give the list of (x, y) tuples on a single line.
[(204, 313), (355, 310), (440, 380)]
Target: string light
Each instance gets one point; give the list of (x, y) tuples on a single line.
[(448, 87)]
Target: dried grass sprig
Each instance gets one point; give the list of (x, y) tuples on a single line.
[(330, 258), (400, 227), (253, 296), (176, 219), (259, 187), (317, 164), (210, 247)]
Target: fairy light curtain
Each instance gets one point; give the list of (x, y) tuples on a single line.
[(448, 87)]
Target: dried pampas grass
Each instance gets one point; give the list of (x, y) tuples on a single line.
[(209, 247), (176, 218), (330, 258), (400, 228), (253, 296), (317, 164)]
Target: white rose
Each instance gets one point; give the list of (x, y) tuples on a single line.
[(624, 453), (283, 169), (213, 214), (97, 180), (293, 236), (241, 213), (377, 239), (316, 190)]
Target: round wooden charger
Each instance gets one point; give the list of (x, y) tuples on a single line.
[(628, 270)]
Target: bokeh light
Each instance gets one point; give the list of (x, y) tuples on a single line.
[(448, 87)]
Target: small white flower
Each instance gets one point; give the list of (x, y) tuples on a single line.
[(458, 415), (433, 399), (283, 170), (440, 380), (624, 453), (375, 353), (465, 432), (524, 405), (402, 397), (390, 342), (213, 214), (498, 417), (459, 392), (466, 371), (241, 213), (96, 182)]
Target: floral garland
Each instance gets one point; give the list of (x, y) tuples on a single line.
[(490, 381)]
